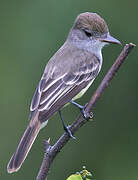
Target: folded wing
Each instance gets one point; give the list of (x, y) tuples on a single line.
[(53, 92)]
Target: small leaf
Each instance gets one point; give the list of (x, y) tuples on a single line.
[(75, 177), (83, 175)]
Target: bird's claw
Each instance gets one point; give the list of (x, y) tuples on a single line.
[(69, 132), (85, 114)]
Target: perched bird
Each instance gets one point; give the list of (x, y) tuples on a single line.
[(67, 76)]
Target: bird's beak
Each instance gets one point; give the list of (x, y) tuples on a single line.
[(110, 39)]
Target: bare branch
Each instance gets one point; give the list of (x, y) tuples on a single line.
[(52, 151)]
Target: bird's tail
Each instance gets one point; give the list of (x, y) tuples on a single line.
[(24, 146)]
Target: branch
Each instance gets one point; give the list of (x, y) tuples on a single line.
[(52, 151)]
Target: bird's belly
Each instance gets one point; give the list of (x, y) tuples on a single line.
[(80, 94)]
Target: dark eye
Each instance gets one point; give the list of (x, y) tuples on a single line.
[(88, 34)]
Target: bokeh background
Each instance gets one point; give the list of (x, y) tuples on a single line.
[(30, 32)]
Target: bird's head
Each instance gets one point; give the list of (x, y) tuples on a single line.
[(91, 30)]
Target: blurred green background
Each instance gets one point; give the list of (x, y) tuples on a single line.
[(30, 32)]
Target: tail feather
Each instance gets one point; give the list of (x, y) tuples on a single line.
[(24, 146)]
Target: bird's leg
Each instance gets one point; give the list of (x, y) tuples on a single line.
[(66, 128), (82, 109)]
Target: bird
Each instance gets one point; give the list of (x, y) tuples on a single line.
[(67, 76)]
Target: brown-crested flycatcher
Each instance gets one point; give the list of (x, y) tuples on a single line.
[(66, 77)]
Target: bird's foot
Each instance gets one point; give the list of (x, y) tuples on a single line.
[(82, 109), (66, 128)]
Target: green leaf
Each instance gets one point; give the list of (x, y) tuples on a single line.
[(82, 175), (75, 177)]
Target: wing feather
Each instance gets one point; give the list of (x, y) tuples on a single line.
[(35, 100), (66, 97), (51, 91), (54, 92)]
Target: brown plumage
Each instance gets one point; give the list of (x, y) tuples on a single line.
[(68, 73), (91, 21), (25, 144)]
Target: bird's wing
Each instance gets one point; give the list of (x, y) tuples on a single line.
[(58, 91)]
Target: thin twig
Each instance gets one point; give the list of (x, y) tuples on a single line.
[(52, 151)]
